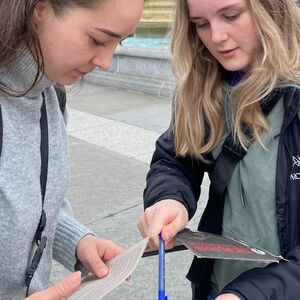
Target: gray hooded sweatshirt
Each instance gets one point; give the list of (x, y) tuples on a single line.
[(20, 192)]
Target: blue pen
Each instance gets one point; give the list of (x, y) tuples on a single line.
[(161, 270)]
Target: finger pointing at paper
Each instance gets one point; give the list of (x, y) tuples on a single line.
[(167, 216)]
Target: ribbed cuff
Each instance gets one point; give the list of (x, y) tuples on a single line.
[(68, 233)]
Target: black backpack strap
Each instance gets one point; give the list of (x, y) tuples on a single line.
[(40, 239), (232, 152), (61, 95)]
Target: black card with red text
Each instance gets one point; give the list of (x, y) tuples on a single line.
[(209, 245)]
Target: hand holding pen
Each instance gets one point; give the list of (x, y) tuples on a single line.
[(166, 216), (161, 269)]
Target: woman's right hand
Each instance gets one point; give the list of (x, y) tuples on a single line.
[(167, 216), (60, 290)]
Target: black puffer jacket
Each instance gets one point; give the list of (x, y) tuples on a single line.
[(180, 178)]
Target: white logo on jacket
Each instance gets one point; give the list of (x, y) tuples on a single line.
[(296, 163)]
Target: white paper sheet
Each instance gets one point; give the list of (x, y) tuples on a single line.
[(120, 268)]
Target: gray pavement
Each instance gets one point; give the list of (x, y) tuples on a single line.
[(112, 134)]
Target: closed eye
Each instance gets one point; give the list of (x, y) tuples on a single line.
[(201, 25), (232, 17), (98, 43)]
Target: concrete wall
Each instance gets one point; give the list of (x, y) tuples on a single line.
[(141, 69)]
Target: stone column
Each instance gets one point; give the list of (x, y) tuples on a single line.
[(156, 19)]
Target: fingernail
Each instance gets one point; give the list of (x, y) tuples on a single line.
[(75, 278), (103, 271), (167, 236)]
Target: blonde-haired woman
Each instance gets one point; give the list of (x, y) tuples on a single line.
[(238, 68)]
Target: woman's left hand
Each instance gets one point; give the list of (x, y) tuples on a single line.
[(93, 252), (228, 296)]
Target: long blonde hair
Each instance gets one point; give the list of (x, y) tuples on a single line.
[(199, 111)]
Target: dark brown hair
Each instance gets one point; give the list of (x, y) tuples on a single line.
[(16, 27)]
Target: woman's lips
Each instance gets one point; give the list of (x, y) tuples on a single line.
[(228, 53), (80, 72)]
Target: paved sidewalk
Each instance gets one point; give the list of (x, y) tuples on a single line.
[(112, 136)]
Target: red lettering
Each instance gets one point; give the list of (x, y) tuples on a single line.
[(200, 246)]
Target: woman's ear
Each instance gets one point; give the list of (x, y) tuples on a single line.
[(41, 9)]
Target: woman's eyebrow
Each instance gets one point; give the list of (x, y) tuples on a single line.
[(227, 7), (196, 18), (111, 33), (108, 32), (218, 11)]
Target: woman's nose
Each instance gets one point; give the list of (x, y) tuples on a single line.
[(218, 34), (103, 59)]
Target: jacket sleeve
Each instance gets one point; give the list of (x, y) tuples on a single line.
[(173, 177), (278, 281), (67, 235)]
